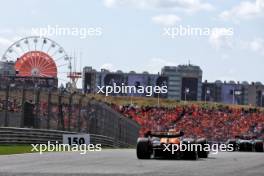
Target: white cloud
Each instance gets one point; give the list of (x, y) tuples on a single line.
[(225, 57), (155, 64), (108, 66), (244, 10), (21, 31), (6, 31), (255, 45), (166, 20), (5, 42), (218, 39), (9, 36), (231, 71), (134, 3), (109, 3), (185, 5)]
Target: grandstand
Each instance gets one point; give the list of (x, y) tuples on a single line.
[(217, 122), (61, 110)]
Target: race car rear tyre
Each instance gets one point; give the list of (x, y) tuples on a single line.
[(190, 155), (202, 153), (259, 147), (245, 146), (143, 150)]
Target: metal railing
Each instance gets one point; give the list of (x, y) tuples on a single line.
[(9, 135)]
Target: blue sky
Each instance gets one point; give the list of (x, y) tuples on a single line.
[(132, 33)]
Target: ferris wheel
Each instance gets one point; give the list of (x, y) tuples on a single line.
[(36, 56)]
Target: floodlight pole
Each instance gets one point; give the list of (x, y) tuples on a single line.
[(205, 97), (185, 96), (207, 92), (186, 90)]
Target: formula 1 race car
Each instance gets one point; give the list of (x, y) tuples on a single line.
[(247, 143), (169, 145)]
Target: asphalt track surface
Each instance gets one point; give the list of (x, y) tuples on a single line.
[(124, 162)]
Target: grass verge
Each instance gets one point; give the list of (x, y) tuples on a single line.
[(14, 149)]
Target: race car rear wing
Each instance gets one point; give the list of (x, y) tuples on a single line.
[(164, 134), (246, 137)]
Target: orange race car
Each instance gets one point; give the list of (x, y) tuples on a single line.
[(171, 144)]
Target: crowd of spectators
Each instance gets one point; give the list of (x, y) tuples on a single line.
[(12, 105), (215, 123), (69, 114), (15, 105)]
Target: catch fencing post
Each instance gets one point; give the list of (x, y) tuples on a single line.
[(36, 121), (60, 113), (23, 107), (79, 115), (49, 109), (70, 111), (6, 105)]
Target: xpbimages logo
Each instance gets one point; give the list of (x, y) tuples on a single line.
[(57, 147), (182, 147), (188, 31), (124, 89), (75, 31)]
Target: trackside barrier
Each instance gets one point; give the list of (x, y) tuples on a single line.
[(9, 135)]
